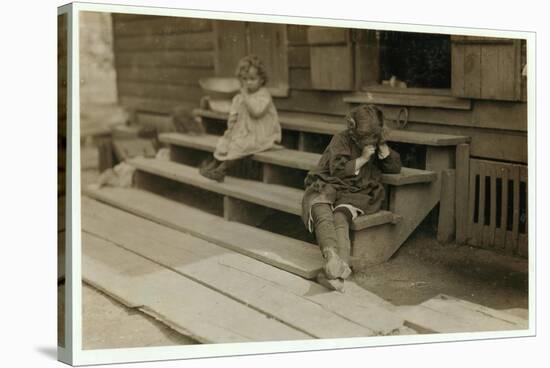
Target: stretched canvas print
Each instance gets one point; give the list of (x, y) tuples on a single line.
[(236, 184)]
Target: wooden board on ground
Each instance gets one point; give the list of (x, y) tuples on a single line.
[(187, 306), (446, 314), (295, 256), (263, 287)]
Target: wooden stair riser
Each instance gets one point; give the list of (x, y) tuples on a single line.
[(377, 244)]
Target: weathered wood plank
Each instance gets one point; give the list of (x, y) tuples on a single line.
[(297, 34), (319, 102), (490, 74), (478, 234), (159, 25), (201, 313), (472, 71), (327, 35), (523, 243), (474, 173), (169, 75), (300, 79), (500, 235), (446, 223), (161, 91), (246, 280), (196, 59), (229, 46), (515, 218), (446, 314), (485, 143), (332, 67), (298, 57), (269, 42), (493, 222), (400, 99), (508, 71), (295, 256), (461, 187), (155, 105), (203, 41)]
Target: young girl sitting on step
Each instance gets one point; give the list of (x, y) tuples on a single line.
[(253, 123), (346, 184)]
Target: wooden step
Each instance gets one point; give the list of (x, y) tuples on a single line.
[(292, 158), (185, 305), (299, 303), (323, 124), (274, 196), (301, 258)]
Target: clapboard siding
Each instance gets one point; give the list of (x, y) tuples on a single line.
[(197, 59), (159, 61), (157, 25), (161, 91), (171, 75), (183, 42)]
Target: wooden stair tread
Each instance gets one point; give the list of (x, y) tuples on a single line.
[(295, 256), (274, 196), (297, 302), (292, 158), (187, 306), (322, 124)]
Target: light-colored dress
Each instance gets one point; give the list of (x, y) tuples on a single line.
[(253, 126)]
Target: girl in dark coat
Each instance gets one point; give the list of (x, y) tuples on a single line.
[(346, 184)]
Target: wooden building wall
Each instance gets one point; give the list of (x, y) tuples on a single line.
[(159, 61)]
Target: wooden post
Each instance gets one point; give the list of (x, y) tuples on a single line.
[(461, 191), (446, 224)]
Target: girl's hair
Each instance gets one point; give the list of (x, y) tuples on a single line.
[(251, 61), (369, 116)]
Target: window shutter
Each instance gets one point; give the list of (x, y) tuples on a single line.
[(331, 54), (486, 68)]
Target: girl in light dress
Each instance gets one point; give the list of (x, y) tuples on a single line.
[(253, 124)]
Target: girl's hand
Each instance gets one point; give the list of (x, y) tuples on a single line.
[(368, 151), (383, 151)]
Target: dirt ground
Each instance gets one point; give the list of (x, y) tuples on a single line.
[(421, 269)]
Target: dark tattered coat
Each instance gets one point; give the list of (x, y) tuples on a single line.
[(334, 180)]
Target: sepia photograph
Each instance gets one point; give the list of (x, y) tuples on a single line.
[(252, 180)]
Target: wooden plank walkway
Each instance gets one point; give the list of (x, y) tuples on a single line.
[(301, 304), (295, 256), (187, 306)]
